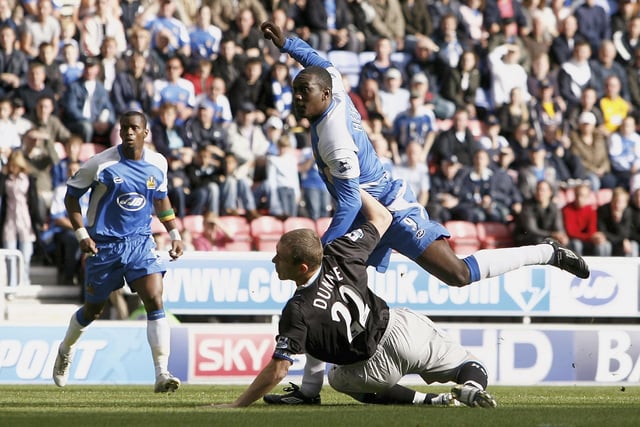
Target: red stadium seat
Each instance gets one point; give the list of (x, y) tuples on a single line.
[(322, 224), (494, 235), (464, 237), (265, 232), (194, 224), (296, 222), (239, 228)]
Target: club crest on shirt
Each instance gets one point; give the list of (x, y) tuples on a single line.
[(151, 183), (343, 167), (283, 342), (355, 235)]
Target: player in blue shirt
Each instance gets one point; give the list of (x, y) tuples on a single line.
[(127, 183), (347, 162)]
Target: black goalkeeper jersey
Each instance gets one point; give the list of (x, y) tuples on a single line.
[(336, 318)]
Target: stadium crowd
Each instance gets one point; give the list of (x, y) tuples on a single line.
[(521, 113)]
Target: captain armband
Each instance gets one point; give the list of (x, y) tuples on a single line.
[(167, 215)]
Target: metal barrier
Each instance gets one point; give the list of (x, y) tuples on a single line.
[(17, 268)]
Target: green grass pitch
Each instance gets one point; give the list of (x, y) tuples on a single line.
[(138, 406)]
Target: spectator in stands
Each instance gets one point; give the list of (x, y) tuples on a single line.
[(273, 129), (507, 74), (71, 68), (620, 20), (563, 45), (175, 89), (624, 151), (235, 190), (415, 172), (167, 32), (593, 23), (34, 88), (41, 156), (547, 109), (276, 97), (376, 69), (510, 36), (13, 62), (317, 200), (628, 40), (461, 83), (614, 221), (18, 116), (40, 28), (216, 95), (541, 72), (202, 131), (417, 22), (538, 40), (223, 12), (451, 45), (423, 60), (205, 39), (606, 66), (472, 19), (613, 106), (7, 10), (576, 74), (456, 141), (497, 11), (282, 183), (204, 174), (213, 236), (581, 223), (513, 113), (446, 186), (47, 56), (442, 108), (369, 92), (133, 88), (67, 255), (442, 8), (310, 22), (417, 125), (492, 141), (11, 138), (539, 9), (243, 30), (140, 42), (249, 87), (186, 197), (168, 138), (45, 121), (537, 169), (588, 103), (633, 77), (568, 166), (228, 65), (101, 24), (393, 97), (388, 23), (110, 63), (72, 151), (590, 145), (87, 109), (540, 218), (487, 195), (21, 217), (246, 140)]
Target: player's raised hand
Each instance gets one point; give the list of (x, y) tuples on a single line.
[(274, 33)]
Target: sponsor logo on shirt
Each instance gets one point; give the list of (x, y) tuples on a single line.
[(131, 201)]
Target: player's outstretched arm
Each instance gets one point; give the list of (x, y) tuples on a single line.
[(375, 213), (274, 33), (275, 371), (297, 48)]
